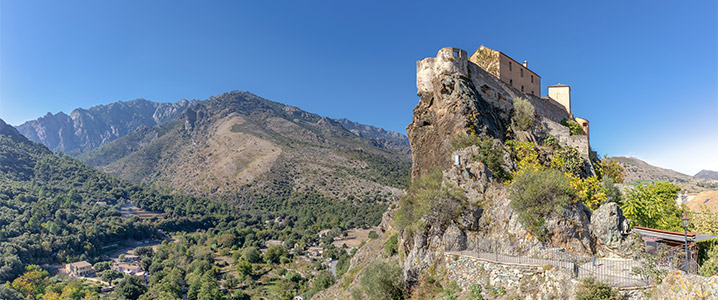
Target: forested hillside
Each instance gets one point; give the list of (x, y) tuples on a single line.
[(55, 209)]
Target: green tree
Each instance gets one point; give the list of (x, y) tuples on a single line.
[(323, 280), (373, 235), (244, 268), (130, 287), (653, 206), (523, 114), (209, 288), (252, 254), (391, 245), (32, 282), (275, 253), (383, 281)]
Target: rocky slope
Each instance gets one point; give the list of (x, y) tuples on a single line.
[(638, 171), (86, 129), (237, 143)]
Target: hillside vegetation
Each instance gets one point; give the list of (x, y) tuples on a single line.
[(238, 144)]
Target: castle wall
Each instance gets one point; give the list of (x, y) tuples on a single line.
[(518, 76), (507, 70), (500, 95)]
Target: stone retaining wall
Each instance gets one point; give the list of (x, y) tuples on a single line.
[(530, 282)]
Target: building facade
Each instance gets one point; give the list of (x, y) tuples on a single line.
[(80, 268), (508, 70)]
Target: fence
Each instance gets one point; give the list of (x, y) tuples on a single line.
[(614, 271)]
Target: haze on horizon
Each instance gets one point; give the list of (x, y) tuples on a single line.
[(645, 74)]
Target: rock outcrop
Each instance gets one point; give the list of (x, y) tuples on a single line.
[(456, 98), (611, 230), (449, 105)]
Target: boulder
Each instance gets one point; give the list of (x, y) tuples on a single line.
[(611, 229)]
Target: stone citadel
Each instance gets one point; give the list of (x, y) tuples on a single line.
[(515, 77)]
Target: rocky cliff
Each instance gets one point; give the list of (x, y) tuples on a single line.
[(459, 98), (86, 129)]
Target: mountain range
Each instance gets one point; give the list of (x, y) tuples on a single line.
[(707, 174), (86, 129), (234, 145), (638, 171)]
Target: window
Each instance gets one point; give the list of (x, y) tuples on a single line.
[(511, 82), (522, 88), (456, 53), (532, 79), (532, 93), (522, 72), (509, 66)]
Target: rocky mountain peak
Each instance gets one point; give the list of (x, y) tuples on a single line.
[(86, 129)]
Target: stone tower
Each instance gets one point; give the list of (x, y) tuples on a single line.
[(562, 94)]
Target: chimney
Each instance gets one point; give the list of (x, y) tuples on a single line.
[(526, 65)]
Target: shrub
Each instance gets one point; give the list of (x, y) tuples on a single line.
[(252, 255), (573, 126), (461, 141), (608, 168), (591, 289), (475, 290), (524, 154), (391, 245), (708, 257), (373, 235), (568, 159), (550, 141), (383, 281), (428, 202), (523, 115), (536, 194), (490, 154)]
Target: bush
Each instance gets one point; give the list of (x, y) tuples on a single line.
[(523, 115), (573, 126), (382, 281), (536, 194), (550, 141), (373, 235), (428, 202), (708, 257), (608, 168), (391, 245), (568, 159), (490, 154), (591, 289), (252, 255)]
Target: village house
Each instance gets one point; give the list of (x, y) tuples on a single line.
[(80, 268), (128, 269)]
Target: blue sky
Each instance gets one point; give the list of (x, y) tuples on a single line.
[(645, 73)]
